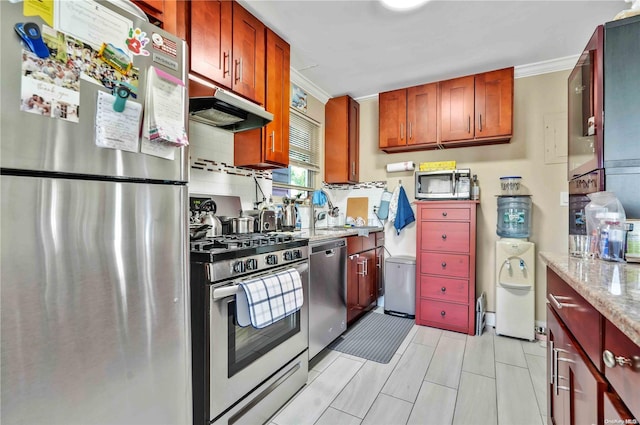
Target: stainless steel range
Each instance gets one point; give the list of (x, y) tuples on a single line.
[(244, 374)]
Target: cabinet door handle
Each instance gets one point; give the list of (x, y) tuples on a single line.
[(444, 213), (353, 168), (443, 289), (238, 70), (401, 131), (226, 56), (480, 122), (444, 264), (444, 237), (273, 141), (469, 124), (379, 264), (557, 303), (363, 264), (410, 131), (443, 313), (611, 360), (552, 373)]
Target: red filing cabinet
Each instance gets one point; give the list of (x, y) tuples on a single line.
[(446, 265)]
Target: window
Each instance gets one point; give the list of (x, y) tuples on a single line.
[(304, 158)]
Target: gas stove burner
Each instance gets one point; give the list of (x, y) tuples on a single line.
[(230, 242)]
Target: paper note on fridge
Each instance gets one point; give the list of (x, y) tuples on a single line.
[(117, 130), (165, 109)]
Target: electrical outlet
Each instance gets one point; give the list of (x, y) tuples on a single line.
[(540, 329), (564, 199)]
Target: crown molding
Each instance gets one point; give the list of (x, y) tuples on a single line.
[(309, 86), (545, 67), (521, 71)]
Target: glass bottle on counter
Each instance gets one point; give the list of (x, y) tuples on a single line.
[(475, 189)]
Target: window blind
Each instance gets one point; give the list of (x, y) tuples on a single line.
[(304, 142)]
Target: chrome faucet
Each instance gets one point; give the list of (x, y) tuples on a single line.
[(333, 211)]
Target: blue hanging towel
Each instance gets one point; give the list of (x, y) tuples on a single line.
[(319, 198), (404, 215)]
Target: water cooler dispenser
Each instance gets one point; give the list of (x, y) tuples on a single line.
[(515, 288), (515, 263)]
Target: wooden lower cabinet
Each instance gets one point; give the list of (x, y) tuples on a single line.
[(445, 265), (579, 390), (362, 276)]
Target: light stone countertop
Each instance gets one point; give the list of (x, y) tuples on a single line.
[(334, 233), (612, 288)]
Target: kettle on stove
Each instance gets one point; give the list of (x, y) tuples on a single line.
[(289, 214), (210, 207)]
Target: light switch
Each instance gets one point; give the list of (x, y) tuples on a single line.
[(564, 199)]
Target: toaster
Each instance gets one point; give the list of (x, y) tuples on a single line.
[(267, 221)]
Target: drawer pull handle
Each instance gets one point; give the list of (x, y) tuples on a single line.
[(444, 264), (611, 360), (444, 237), (444, 213), (443, 313), (557, 303), (443, 289)]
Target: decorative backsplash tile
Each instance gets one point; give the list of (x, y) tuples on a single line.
[(361, 185)]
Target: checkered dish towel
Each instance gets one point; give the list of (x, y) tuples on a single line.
[(265, 300)]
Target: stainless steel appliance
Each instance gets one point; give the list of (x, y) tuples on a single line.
[(327, 293), (244, 375), (443, 184), (95, 301), (604, 154), (400, 286)]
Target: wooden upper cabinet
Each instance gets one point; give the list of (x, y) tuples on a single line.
[(477, 107), (227, 46), (494, 103), (278, 98), (154, 9), (210, 40), (457, 108), (422, 106), (408, 118), (392, 118), (248, 54), (341, 140), (268, 147), (465, 111)]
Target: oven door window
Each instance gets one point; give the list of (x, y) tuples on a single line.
[(248, 344)]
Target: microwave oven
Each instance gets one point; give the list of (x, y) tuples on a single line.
[(443, 184)]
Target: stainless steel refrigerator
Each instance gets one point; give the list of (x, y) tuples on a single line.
[(93, 274)]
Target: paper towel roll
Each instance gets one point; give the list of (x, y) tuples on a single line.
[(400, 166)]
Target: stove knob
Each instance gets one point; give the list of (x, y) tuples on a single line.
[(271, 259), (239, 267), (288, 255), (297, 254), (251, 264)]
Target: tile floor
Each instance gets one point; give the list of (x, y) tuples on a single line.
[(435, 377)]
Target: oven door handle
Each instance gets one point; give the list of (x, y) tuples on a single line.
[(231, 290)]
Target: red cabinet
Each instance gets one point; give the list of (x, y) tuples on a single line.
[(227, 46), (362, 274), (478, 108), (582, 387), (445, 267), (268, 147), (408, 118), (342, 140)]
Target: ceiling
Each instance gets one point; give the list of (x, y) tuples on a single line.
[(360, 48)]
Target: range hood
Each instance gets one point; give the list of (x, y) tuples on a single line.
[(228, 111)]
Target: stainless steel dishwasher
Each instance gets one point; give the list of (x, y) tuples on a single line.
[(327, 293)]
